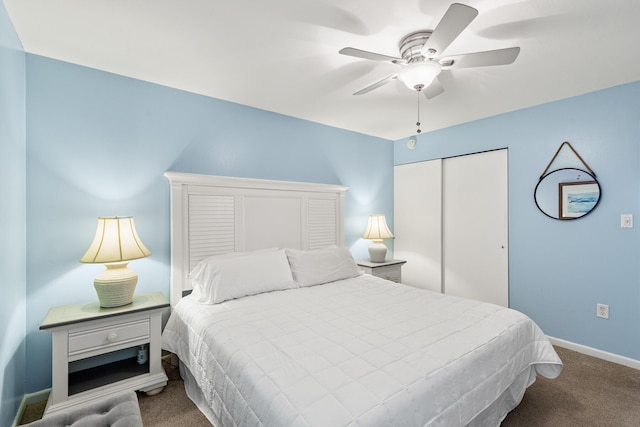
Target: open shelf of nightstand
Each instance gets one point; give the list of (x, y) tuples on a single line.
[(101, 375)]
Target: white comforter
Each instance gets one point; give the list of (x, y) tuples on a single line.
[(362, 351)]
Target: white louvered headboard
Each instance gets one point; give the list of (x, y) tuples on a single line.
[(212, 215)]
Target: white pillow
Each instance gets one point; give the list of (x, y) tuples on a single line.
[(224, 277), (195, 276), (317, 266)]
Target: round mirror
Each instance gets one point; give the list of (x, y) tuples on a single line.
[(567, 193)]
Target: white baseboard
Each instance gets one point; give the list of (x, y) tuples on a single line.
[(594, 352), (29, 399)]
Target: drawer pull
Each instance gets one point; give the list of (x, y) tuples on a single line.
[(112, 337)]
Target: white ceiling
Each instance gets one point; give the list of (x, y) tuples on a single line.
[(282, 55)]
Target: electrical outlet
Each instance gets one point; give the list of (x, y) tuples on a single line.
[(602, 310)]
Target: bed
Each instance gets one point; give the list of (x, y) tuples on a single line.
[(274, 324)]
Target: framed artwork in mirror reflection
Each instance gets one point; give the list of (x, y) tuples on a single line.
[(577, 198)]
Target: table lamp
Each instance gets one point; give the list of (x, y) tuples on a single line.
[(115, 244), (376, 231)]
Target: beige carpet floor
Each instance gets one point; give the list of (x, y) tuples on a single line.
[(172, 407), (589, 392)]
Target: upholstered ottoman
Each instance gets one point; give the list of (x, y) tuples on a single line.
[(121, 410)]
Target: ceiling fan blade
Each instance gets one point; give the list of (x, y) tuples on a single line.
[(454, 21), (358, 53), (482, 59), (377, 84), (434, 89)]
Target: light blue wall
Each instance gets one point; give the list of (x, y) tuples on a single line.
[(12, 220), (560, 270), (98, 144)]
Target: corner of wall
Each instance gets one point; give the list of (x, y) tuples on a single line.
[(13, 213)]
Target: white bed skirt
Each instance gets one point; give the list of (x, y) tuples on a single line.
[(195, 394)]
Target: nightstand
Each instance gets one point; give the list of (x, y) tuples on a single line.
[(390, 270), (97, 352)]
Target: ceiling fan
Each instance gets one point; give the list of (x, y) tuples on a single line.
[(421, 54)]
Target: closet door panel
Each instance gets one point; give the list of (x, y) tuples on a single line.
[(417, 223), (475, 228)]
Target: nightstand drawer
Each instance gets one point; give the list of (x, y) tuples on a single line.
[(391, 272), (115, 335)]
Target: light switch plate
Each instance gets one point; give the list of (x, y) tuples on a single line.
[(626, 221)]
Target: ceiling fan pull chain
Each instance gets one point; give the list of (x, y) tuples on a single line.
[(418, 122)]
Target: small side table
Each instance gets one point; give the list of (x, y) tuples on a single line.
[(390, 270), (97, 352)]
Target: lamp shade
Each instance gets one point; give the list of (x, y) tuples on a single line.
[(376, 231), (377, 228), (419, 75), (115, 244), (116, 240)]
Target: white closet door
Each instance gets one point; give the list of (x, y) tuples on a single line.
[(417, 223), (475, 227)]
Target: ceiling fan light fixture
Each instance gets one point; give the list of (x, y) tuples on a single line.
[(419, 75)]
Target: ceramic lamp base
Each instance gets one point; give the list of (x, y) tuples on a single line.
[(377, 251), (115, 286)]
